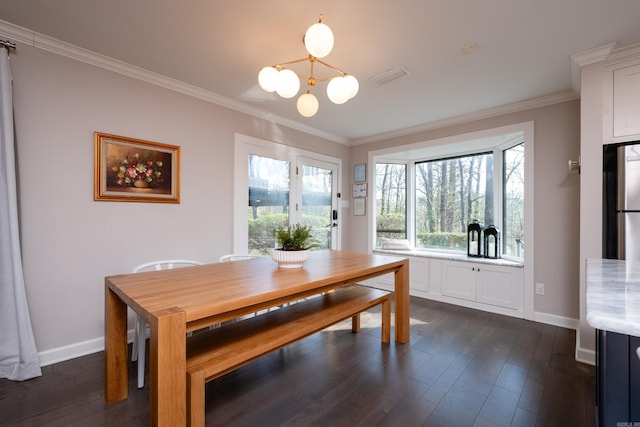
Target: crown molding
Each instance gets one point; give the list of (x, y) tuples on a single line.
[(68, 50), (623, 54), (587, 57), (590, 56), (515, 107)]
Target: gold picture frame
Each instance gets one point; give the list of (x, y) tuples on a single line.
[(134, 170)]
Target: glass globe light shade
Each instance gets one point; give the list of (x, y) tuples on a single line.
[(318, 40), (337, 91), (351, 85), (308, 105), (288, 84), (268, 78)]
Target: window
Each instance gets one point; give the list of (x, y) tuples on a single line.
[(513, 201), (391, 205), (268, 201), (449, 194), (428, 193)]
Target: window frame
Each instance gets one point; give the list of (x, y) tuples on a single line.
[(496, 150)]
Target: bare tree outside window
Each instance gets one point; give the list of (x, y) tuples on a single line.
[(513, 203), (391, 201), (460, 188)]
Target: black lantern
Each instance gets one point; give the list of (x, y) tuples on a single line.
[(474, 238), (491, 242)]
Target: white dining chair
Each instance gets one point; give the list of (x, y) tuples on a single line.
[(236, 257), (140, 331)]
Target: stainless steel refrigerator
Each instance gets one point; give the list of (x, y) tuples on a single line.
[(621, 238)]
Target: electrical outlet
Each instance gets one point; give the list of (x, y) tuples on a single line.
[(539, 288)]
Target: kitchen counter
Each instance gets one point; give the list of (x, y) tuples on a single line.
[(613, 295)]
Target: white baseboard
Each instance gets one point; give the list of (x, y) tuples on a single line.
[(586, 356), (60, 354), (72, 351), (555, 320)]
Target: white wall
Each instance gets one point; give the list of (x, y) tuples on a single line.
[(71, 242)]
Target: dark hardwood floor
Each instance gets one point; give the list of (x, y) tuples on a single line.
[(462, 368)]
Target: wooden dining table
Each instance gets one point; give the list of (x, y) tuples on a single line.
[(175, 302)]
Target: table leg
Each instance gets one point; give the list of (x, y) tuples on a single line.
[(401, 279), (168, 368), (115, 346)]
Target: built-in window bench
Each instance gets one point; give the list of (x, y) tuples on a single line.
[(494, 285)]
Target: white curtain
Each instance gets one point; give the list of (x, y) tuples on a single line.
[(18, 353)]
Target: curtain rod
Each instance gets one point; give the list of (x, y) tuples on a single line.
[(7, 45)]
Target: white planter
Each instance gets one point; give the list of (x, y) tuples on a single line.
[(290, 259)]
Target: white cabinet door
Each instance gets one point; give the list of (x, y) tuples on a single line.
[(626, 101), (418, 273), (496, 286), (621, 91), (459, 280)]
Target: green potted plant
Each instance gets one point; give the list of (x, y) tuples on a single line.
[(293, 245)]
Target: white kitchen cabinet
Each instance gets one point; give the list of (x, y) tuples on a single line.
[(418, 272), (496, 286), (459, 280), (483, 283), (500, 286), (622, 98)]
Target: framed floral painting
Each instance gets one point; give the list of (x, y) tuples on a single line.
[(133, 170)]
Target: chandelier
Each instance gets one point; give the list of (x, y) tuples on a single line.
[(318, 40)]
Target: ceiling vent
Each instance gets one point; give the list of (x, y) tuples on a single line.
[(394, 73)]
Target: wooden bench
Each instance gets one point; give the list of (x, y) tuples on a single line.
[(216, 352)]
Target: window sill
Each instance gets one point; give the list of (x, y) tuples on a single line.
[(451, 256)]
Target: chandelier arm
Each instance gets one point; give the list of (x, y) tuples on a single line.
[(295, 61), (332, 67), (326, 79)]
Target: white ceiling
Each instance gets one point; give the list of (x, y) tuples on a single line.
[(524, 49)]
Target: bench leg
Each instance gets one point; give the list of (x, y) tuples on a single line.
[(195, 399), (386, 321), (355, 323)]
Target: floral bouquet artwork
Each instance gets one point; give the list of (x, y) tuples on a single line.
[(135, 170)]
